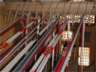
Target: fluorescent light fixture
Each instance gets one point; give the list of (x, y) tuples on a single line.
[(67, 35), (84, 56), (89, 19)]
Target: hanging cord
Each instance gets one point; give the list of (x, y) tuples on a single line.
[(81, 23), (9, 14), (75, 48), (71, 48), (53, 52), (68, 28), (27, 22), (83, 35), (76, 13), (16, 13)]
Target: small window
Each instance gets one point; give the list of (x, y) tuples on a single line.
[(84, 56), (87, 36)]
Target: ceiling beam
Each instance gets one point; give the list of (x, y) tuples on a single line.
[(65, 8)]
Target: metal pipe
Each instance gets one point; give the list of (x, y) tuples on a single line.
[(9, 14), (17, 48), (14, 37), (32, 52), (53, 52), (69, 26), (16, 13), (9, 27), (9, 41), (8, 67), (13, 22), (53, 44), (33, 69), (29, 25), (82, 43), (65, 58), (46, 58), (43, 63), (29, 56), (49, 24), (71, 48)]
